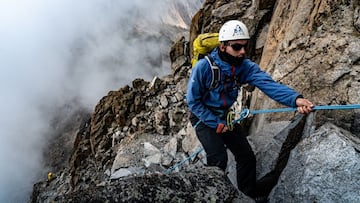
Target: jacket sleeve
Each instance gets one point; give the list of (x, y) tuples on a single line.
[(276, 91), (198, 84)]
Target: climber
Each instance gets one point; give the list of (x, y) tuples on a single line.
[(49, 176), (209, 107)]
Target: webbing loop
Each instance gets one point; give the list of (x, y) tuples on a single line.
[(229, 120)]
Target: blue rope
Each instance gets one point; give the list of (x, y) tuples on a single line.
[(246, 112), (315, 108), (338, 107), (183, 161)]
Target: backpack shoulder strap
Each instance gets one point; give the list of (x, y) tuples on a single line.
[(215, 70)]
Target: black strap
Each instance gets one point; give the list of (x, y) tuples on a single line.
[(215, 70), (216, 76)]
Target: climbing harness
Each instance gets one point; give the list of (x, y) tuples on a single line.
[(230, 121), (246, 112)]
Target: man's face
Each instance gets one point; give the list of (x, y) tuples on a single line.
[(235, 48)]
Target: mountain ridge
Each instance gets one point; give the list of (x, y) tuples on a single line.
[(156, 112)]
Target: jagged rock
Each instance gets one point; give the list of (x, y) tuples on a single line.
[(171, 146), (179, 54), (138, 150), (155, 84), (202, 185), (152, 154), (163, 101), (324, 167), (190, 142), (123, 172), (140, 84), (161, 121), (176, 118), (228, 9)]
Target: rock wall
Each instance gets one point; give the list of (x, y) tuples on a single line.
[(314, 47)]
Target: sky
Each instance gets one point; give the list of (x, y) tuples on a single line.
[(53, 52)]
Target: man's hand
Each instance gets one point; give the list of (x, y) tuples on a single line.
[(221, 128), (304, 106)]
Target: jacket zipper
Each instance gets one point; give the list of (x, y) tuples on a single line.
[(225, 85)]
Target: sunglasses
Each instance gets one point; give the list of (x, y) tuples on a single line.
[(237, 47)]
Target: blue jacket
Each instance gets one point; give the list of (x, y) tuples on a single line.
[(203, 102)]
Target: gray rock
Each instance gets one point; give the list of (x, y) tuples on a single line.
[(324, 167)]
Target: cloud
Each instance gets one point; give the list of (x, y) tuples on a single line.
[(54, 52)]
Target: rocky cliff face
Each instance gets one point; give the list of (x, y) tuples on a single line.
[(135, 133), (314, 47)]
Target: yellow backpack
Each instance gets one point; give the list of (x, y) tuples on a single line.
[(203, 44)]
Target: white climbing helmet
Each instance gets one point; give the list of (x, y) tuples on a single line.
[(233, 30)]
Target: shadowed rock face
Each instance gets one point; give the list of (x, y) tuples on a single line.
[(136, 132), (204, 184)]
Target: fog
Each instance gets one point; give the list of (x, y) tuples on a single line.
[(55, 52)]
